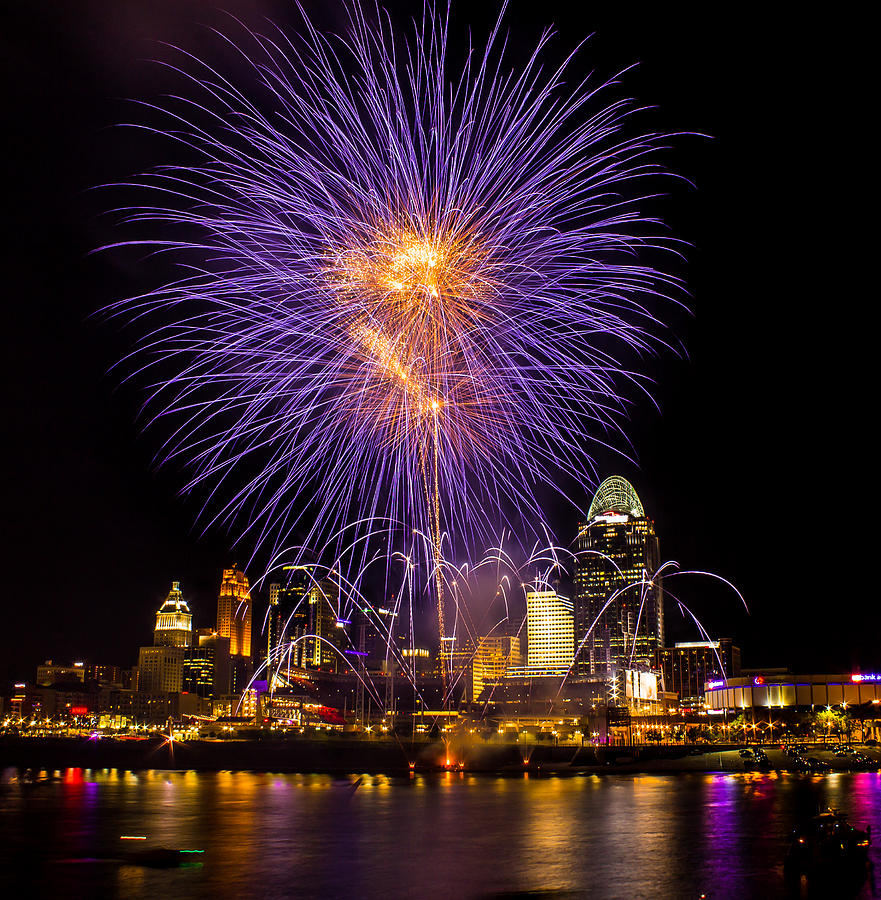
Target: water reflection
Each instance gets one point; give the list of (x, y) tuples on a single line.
[(453, 835)]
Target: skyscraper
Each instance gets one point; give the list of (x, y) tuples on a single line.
[(615, 588), (174, 621), (198, 670), (328, 630), (234, 612), (209, 654), (550, 641), (160, 669), (687, 666), (234, 623), (288, 618)]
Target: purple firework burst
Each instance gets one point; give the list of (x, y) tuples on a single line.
[(406, 292)]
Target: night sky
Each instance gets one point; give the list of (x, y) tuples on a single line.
[(757, 465)]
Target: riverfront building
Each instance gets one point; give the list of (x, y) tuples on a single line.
[(687, 666), (618, 603), (794, 692), (160, 667)]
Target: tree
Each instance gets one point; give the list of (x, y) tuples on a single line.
[(830, 720), (737, 727)]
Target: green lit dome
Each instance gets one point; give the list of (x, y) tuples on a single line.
[(616, 495)]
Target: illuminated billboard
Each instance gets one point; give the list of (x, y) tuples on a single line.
[(640, 685)]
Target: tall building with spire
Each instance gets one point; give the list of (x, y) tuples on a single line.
[(619, 602), (174, 621)]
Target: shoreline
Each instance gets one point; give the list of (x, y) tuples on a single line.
[(384, 757)]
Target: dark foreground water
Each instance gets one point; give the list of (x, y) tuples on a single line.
[(264, 835)]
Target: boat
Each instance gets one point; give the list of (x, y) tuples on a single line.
[(827, 843)]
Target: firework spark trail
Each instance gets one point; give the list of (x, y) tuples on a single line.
[(463, 585), (395, 264)]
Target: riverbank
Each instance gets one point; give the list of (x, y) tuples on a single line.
[(344, 755)]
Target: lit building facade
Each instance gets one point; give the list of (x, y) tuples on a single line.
[(455, 663), (617, 556), (288, 618), (174, 621), (234, 612), (160, 669), (149, 708), (550, 636), (417, 660), (494, 656), (108, 675), (49, 673), (688, 665), (328, 637), (198, 671), (773, 691), (206, 666)]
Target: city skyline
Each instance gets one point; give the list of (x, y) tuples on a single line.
[(437, 457), (721, 452)]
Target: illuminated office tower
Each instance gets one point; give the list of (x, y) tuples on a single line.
[(210, 652), (234, 612), (160, 669), (198, 670), (174, 621), (206, 669), (327, 629), (688, 666), (494, 655), (617, 556), (234, 623), (288, 617), (550, 642)]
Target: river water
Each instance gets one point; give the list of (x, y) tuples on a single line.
[(444, 836)]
